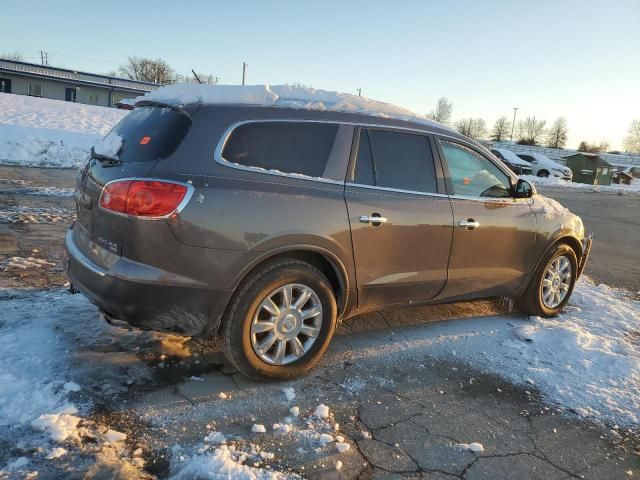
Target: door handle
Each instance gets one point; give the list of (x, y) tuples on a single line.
[(470, 224), (373, 219)]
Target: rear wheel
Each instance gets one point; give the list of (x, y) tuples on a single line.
[(552, 284), (281, 321)]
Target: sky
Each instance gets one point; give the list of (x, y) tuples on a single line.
[(576, 59)]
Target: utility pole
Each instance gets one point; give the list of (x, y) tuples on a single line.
[(216, 80), (359, 92), (244, 71), (41, 57), (513, 124)]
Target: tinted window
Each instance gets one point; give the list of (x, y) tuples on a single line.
[(528, 158), (474, 175), (150, 133), (288, 147), (395, 160)]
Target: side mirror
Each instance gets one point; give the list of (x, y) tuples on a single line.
[(524, 189)]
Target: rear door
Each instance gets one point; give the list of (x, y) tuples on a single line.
[(145, 135), (494, 233), (401, 220)]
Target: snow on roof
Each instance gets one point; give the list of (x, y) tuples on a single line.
[(289, 96), (511, 157)]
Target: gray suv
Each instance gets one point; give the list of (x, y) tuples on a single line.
[(268, 225)]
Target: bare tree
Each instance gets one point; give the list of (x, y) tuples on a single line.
[(15, 55), (587, 147), (443, 111), (148, 70), (203, 78), (501, 129), (558, 133), (472, 127), (530, 130), (632, 140)]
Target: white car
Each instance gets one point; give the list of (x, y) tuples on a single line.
[(543, 166), (511, 160), (633, 171)]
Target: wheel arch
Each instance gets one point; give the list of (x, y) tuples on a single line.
[(321, 258)]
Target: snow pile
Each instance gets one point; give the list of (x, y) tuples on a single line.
[(586, 360), (59, 426), (50, 133), (620, 189), (227, 461), (288, 96), (109, 146), (549, 207)]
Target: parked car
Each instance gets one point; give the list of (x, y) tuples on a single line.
[(511, 160), (543, 166), (268, 226), (633, 171), (126, 104)]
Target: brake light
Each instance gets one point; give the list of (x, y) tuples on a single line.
[(142, 198)]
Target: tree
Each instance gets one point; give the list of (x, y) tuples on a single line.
[(587, 147), (558, 134), (530, 130), (15, 55), (148, 70), (632, 140), (501, 129), (443, 111), (472, 127)]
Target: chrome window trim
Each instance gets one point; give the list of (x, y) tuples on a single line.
[(396, 190), (218, 158), (181, 206)]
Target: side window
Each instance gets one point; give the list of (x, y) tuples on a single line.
[(528, 158), (474, 175), (288, 147), (395, 160), (497, 154)]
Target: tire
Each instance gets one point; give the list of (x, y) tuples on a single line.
[(543, 173), (246, 308), (532, 301)]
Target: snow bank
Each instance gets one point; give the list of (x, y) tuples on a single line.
[(620, 189), (586, 360), (50, 133), (289, 96)]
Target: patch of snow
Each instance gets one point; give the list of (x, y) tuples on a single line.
[(342, 447), (215, 438), (109, 146), (322, 411), (59, 426), (287, 96), (113, 436), (23, 263), (472, 447), (258, 428), (56, 453), (222, 396), (289, 393), (295, 411), (587, 359), (50, 133), (549, 207), (227, 462), (72, 387), (196, 379), (620, 189), (338, 465), (325, 438)]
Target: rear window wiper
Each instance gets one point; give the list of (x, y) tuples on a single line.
[(105, 159)]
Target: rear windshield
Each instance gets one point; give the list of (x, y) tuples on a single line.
[(150, 133)]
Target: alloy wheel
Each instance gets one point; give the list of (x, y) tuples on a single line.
[(286, 324), (556, 281)]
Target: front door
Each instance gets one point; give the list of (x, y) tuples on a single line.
[(494, 233), (70, 94), (401, 222)]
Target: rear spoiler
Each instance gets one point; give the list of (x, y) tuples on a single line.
[(155, 103)]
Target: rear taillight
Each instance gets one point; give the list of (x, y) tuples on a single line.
[(142, 198)]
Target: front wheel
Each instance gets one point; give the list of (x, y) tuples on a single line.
[(543, 173), (552, 284), (281, 321)]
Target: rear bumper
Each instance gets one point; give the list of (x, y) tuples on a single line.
[(586, 250), (141, 295)]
